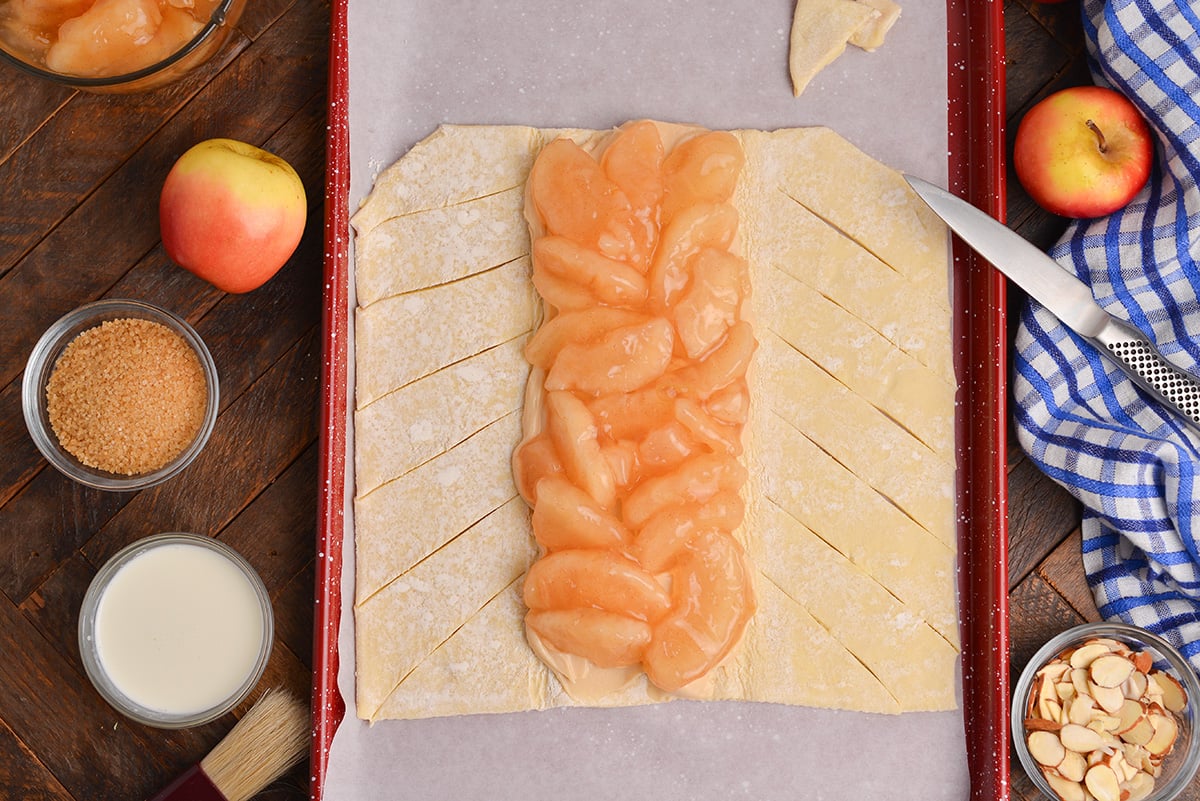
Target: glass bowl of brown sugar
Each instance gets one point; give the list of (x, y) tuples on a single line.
[(120, 395)]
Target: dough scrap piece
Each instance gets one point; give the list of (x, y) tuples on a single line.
[(443, 635), (820, 31), (871, 35)]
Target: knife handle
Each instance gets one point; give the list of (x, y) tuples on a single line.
[(1140, 360)]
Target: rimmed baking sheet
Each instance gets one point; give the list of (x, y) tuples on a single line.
[(400, 69)]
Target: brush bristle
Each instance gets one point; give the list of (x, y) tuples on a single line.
[(269, 739)]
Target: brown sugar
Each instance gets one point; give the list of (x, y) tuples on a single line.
[(126, 396)]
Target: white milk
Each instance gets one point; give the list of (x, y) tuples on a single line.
[(179, 628)]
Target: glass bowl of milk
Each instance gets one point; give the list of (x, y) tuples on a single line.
[(175, 630)]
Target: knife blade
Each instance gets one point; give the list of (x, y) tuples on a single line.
[(1068, 299)]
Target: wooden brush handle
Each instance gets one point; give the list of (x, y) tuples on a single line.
[(192, 785)]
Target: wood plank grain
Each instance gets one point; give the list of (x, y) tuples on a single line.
[(77, 148), (255, 439), (49, 516), (56, 713), (93, 246), (28, 103), (1041, 514), (22, 775), (1062, 569)]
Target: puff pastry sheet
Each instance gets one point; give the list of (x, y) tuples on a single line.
[(850, 446)]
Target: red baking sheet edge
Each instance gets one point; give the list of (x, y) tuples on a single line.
[(328, 706), (976, 170)]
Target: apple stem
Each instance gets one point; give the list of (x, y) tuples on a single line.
[(1102, 142)]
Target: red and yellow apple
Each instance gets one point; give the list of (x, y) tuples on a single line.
[(231, 213), (1083, 152)]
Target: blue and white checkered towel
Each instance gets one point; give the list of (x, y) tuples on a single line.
[(1135, 468)]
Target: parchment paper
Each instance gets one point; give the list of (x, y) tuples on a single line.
[(417, 63)]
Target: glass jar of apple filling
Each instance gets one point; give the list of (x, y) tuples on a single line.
[(114, 46)]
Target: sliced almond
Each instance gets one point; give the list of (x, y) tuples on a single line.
[(1065, 690), (1128, 717), (1079, 677), (1065, 789), (1073, 767), (1082, 709), (1083, 657), (1142, 661), (1110, 671), (1102, 783), (1041, 724), (1046, 748), (1054, 671), (1080, 738), (1135, 686), (1140, 733), (1174, 697), (1050, 710), (1104, 723), (1165, 732), (1110, 699), (1140, 787)]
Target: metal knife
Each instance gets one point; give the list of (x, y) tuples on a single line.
[(1069, 299)]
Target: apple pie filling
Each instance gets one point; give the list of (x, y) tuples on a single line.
[(635, 409)]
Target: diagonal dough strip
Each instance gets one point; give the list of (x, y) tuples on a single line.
[(859, 523), (462, 678), (862, 360), (400, 430), (402, 623), (899, 648), (406, 337), (865, 199), (450, 242), (454, 164), (808, 249), (789, 657), (838, 421), (409, 518)]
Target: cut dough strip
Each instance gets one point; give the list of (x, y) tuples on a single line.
[(384, 449), (440, 245), (810, 250), (838, 421), (410, 617), (856, 194), (872, 533), (405, 337), (453, 164), (430, 504), (861, 359), (902, 651)]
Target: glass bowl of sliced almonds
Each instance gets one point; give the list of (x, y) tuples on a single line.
[(1107, 711)]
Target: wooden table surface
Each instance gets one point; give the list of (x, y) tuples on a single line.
[(79, 181)]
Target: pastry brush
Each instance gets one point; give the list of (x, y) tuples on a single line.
[(269, 739)]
